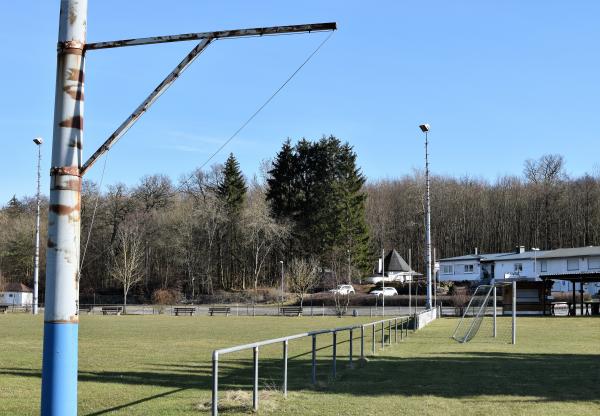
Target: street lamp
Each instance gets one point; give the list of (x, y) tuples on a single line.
[(535, 250), (425, 129), (281, 261), (36, 257)]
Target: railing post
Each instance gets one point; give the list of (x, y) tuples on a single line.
[(362, 342), (514, 311), (382, 335), (373, 341), (495, 313), (215, 384), (396, 330), (314, 359), (285, 367), (255, 393), (389, 332), (334, 354), (351, 342)]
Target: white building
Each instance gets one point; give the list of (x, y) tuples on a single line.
[(16, 294), (569, 263)]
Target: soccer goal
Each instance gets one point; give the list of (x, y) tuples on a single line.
[(480, 317)]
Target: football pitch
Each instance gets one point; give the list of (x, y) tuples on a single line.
[(161, 365)]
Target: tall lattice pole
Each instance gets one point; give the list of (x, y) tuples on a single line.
[(383, 282), (61, 320), (425, 129), (36, 257)]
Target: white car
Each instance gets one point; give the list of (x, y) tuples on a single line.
[(343, 290), (388, 291)]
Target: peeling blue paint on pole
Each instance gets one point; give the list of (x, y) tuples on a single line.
[(61, 320)]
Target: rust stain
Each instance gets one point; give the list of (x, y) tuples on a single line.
[(75, 74), (74, 319), (74, 123), (63, 209), (64, 170), (76, 92)]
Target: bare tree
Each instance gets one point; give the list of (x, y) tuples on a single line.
[(303, 275), (127, 259), (261, 231)]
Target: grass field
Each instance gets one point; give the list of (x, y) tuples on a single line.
[(160, 365)]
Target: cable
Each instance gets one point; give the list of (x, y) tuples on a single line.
[(93, 217), (262, 106)]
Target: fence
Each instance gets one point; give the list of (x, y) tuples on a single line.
[(392, 325), (249, 309)]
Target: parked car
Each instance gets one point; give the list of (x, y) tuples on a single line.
[(343, 290), (388, 291)]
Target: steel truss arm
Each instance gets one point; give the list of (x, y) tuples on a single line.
[(143, 107), (236, 33), (207, 38)]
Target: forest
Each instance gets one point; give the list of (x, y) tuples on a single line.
[(310, 211)]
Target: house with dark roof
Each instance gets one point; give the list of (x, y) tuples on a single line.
[(16, 294), (396, 269)]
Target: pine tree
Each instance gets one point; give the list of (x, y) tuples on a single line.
[(317, 186), (232, 190), (282, 193)]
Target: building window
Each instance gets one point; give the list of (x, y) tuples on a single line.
[(468, 268), (544, 265), (518, 267), (572, 264), (10, 295), (447, 269), (594, 263)]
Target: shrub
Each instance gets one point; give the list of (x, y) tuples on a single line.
[(165, 296)]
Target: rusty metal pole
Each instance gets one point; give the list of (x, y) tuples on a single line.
[(61, 320), (36, 257)]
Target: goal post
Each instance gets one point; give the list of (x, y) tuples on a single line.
[(482, 307)]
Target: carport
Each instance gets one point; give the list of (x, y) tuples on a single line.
[(582, 278)]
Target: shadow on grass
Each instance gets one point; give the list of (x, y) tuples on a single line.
[(529, 377)]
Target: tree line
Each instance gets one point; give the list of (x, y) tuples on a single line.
[(312, 209)]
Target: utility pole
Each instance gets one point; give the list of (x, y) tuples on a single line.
[(61, 315), (425, 129), (383, 282), (410, 282), (61, 319), (36, 257), (281, 261)]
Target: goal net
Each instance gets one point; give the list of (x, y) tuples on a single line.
[(480, 318)]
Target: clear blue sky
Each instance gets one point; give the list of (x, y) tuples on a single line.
[(499, 82)]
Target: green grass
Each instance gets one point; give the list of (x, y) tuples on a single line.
[(160, 365)]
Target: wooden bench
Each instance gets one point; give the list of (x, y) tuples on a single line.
[(3, 308), (112, 310), (291, 310), (183, 310), (226, 310)]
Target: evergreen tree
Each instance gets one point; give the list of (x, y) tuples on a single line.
[(232, 190), (317, 186), (282, 193)]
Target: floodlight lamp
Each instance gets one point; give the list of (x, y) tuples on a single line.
[(424, 128), (38, 140)]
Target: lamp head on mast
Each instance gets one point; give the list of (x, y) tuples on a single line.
[(424, 128), (38, 140)]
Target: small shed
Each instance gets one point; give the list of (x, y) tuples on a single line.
[(531, 295), (16, 294)]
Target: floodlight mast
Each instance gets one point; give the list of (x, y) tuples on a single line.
[(425, 129), (61, 313)]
